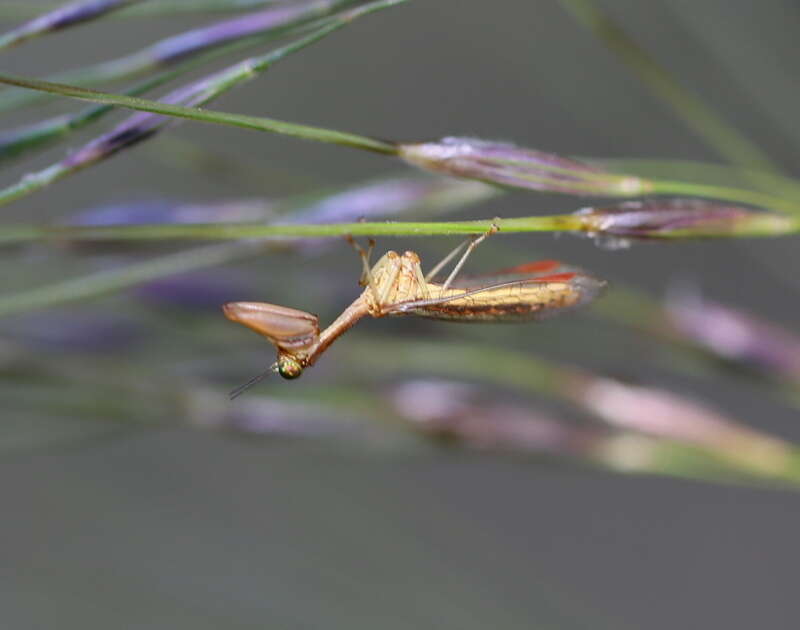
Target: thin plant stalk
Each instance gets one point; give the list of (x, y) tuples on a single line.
[(13, 234), (62, 17), (21, 233), (701, 172), (330, 136), (37, 135), (256, 123), (727, 193), (271, 22)]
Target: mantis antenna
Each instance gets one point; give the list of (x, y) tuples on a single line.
[(253, 381)]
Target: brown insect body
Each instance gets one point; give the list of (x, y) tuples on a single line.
[(395, 285)]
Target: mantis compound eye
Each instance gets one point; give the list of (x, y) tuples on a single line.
[(289, 367)]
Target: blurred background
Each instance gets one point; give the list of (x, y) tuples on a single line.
[(135, 494)]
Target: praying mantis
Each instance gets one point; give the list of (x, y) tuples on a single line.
[(395, 285)]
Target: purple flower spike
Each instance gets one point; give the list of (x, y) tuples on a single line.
[(505, 164), (390, 197), (456, 411), (62, 17), (184, 45), (737, 336), (166, 211), (679, 218), (663, 414)]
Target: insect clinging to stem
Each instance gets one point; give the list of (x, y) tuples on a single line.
[(395, 285)]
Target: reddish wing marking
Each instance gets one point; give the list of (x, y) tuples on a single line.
[(556, 277), (535, 267)]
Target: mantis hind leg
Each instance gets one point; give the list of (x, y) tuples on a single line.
[(471, 243), (440, 265)]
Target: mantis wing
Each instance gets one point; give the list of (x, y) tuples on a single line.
[(528, 292)]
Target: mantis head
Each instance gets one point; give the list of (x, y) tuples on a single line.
[(293, 333)]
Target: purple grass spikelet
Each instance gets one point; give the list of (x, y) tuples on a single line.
[(62, 17), (616, 226), (664, 414), (736, 336), (505, 164)]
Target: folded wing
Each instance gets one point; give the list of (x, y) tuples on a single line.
[(532, 291)]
